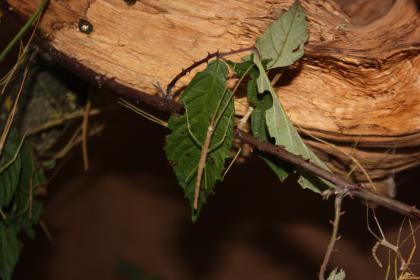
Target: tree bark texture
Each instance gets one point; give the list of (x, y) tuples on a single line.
[(357, 88)]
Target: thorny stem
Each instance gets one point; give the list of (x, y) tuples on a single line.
[(340, 183), (280, 152), (185, 71), (330, 248)]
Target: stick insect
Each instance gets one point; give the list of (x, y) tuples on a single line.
[(206, 147)]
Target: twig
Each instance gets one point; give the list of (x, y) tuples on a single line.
[(85, 129), (338, 203), (24, 29), (355, 161), (142, 113), (75, 140), (195, 64), (170, 106), (47, 232), (22, 53), (60, 121), (340, 183), (12, 113)]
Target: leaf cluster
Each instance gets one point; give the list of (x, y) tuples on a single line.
[(207, 98), (19, 179), (45, 101)]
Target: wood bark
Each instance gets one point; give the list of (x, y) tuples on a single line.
[(357, 87)]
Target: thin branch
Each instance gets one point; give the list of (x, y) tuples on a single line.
[(340, 183), (195, 64), (85, 130), (60, 121), (170, 106), (13, 111), (24, 29), (330, 249)]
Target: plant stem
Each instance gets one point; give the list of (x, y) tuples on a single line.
[(330, 249), (171, 106), (60, 121), (185, 71), (24, 29), (85, 129), (340, 183)]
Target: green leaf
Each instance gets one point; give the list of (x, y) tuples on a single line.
[(334, 275), (205, 96), (10, 247), (258, 125), (259, 130), (24, 191), (282, 43), (11, 168), (241, 68), (27, 220), (284, 133), (17, 183)]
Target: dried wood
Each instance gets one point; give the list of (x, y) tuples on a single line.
[(357, 87)]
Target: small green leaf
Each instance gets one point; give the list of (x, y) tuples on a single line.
[(241, 68), (334, 275), (284, 133), (10, 247), (282, 43), (205, 96)]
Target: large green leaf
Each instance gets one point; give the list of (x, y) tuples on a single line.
[(26, 183), (19, 209), (10, 168), (284, 133), (10, 247), (205, 96), (282, 43), (259, 129)]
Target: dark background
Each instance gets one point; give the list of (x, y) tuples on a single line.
[(128, 207)]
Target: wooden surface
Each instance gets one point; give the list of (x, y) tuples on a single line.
[(358, 86)]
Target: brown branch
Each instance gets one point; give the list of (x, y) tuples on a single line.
[(85, 131), (170, 106), (195, 64), (334, 237), (341, 184)]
